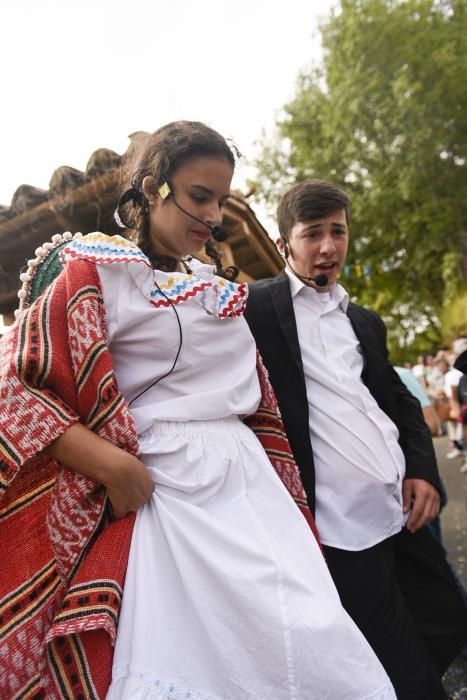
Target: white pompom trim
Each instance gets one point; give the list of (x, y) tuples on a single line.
[(40, 253)]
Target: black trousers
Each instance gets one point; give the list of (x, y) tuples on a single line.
[(402, 595)]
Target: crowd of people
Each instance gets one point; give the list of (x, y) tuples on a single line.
[(442, 385), (212, 492)]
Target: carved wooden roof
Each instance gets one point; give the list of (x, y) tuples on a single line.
[(85, 201)]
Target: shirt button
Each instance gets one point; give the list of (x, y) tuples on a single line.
[(343, 380)]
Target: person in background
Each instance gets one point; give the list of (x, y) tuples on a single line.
[(436, 390), (419, 370), (460, 364), (429, 369), (452, 377), (429, 412)]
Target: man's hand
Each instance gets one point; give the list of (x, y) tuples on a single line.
[(423, 500)]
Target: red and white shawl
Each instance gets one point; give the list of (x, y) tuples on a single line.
[(63, 562)]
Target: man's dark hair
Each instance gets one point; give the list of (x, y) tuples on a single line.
[(308, 200)]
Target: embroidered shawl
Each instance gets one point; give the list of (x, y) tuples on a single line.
[(63, 560)]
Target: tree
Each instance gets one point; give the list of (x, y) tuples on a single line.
[(385, 117)]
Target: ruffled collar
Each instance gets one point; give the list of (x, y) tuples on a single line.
[(218, 296)]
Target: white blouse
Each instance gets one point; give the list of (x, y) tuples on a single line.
[(215, 373)]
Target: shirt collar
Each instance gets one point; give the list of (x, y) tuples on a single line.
[(337, 292)]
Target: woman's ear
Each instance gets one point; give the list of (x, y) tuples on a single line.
[(149, 188)]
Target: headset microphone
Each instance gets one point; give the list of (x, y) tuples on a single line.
[(219, 233), (320, 280)]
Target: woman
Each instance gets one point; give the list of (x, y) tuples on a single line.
[(226, 591)]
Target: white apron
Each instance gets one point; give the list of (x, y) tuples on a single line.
[(227, 594)]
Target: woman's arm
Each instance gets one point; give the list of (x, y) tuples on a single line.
[(128, 482), (431, 419)]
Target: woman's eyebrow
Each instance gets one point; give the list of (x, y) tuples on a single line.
[(208, 191), (203, 188)]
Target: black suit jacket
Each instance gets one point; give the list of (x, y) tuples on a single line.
[(271, 318)]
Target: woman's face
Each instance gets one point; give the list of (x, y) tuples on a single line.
[(201, 186)]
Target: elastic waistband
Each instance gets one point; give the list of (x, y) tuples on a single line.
[(192, 427)]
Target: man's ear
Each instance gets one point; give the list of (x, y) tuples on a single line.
[(282, 247), (149, 188)]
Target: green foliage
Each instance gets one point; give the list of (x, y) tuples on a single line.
[(454, 319), (385, 117)]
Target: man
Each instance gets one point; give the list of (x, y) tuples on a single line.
[(460, 353), (365, 454), (452, 377)]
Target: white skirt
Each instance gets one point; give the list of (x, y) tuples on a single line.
[(227, 595)]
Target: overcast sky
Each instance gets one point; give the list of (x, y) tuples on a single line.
[(79, 75)]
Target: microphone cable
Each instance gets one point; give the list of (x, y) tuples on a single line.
[(159, 379)]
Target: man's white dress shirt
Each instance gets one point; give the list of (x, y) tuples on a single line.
[(359, 465)]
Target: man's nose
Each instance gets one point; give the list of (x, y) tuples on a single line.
[(328, 245)]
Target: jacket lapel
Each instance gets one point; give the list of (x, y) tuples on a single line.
[(371, 350), (283, 306)]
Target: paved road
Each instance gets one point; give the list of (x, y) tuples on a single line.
[(454, 516), (454, 530)]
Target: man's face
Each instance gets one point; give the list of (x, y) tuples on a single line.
[(319, 246)]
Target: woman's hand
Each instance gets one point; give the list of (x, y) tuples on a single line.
[(128, 482)]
